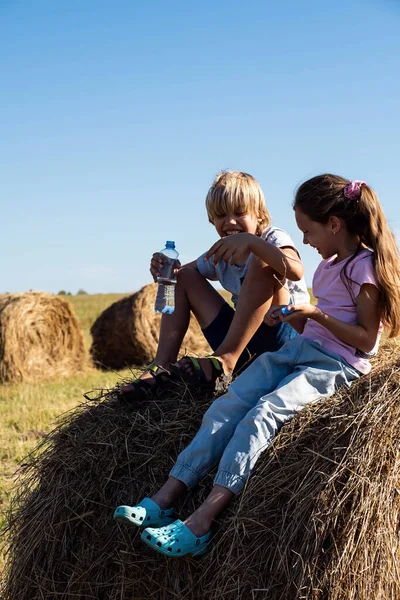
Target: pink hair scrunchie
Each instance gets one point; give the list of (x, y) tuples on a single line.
[(353, 189)]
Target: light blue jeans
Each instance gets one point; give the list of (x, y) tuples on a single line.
[(241, 424)]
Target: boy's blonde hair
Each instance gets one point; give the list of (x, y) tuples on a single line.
[(234, 191)]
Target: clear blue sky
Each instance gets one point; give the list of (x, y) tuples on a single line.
[(116, 115)]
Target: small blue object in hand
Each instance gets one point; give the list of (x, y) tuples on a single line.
[(285, 310)]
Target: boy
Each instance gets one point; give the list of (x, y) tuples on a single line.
[(257, 263)]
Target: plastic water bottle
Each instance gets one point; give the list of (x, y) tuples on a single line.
[(165, 298)]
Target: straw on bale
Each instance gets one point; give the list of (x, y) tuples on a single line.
[(127, 332), (39, 338), (318, 520)]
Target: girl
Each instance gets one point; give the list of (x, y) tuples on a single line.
[(260, 267), (357, 286)]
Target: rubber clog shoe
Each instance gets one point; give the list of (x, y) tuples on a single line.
[(146, 513), (175, 540)]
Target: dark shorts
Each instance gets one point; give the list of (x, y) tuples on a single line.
[(265, 339)]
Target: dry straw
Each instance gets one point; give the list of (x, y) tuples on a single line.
[(127, 332), (317, 521), (39, 338)]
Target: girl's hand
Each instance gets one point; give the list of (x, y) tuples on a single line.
[(307, 311), (234, 249), (295, 314), (156, 264)]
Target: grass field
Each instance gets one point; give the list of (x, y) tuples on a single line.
[(27, 411)]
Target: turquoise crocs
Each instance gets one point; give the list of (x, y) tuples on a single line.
[(147, 512), (175, 540)]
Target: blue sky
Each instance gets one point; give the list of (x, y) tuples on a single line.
[(116, 115)]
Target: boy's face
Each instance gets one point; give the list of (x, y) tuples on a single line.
[(235, 222)]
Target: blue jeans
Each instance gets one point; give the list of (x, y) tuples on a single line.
[(241, 424)]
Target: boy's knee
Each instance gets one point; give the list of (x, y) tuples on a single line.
[(187, 275), (257, 269)]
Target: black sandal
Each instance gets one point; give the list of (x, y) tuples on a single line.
[(219, 382), (142, 388)]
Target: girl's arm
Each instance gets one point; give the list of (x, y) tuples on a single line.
[(236, 249), (363, 334)]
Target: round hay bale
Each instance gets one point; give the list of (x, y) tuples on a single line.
[(317, 521), (39, 338), (127, 332)]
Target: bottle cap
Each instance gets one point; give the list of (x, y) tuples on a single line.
[(169, 244)]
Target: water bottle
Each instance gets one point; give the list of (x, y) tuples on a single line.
[(165, 298)]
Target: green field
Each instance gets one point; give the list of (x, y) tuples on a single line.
[(27, 411)]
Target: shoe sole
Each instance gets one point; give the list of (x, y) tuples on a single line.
[(173, 554)]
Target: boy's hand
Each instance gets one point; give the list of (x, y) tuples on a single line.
[(274, 315), (156, 265), (234, 249)]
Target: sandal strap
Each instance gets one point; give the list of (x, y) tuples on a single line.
[(156, 370), (216, 365), (198, 376)]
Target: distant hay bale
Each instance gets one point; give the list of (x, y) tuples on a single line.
[(127, 332), (318, 520), (39, 338)]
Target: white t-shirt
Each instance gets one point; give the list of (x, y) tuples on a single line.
[(232, 276)]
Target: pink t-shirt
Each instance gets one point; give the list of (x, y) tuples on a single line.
[(335, 299)]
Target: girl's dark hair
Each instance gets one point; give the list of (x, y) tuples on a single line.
[(322, 197)]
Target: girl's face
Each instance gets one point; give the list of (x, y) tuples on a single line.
[(235, 222), (320, 236)]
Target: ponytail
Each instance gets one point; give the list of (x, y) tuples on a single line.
[(379, 237)]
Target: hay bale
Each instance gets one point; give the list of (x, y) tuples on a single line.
[(127, 332), (39, 338), (317, 521)]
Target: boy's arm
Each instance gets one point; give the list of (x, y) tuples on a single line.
[(236, 249)]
